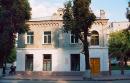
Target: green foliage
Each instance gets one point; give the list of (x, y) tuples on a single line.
[(78, 18), (117, 67), (12, 57), (13, 17), (15, 13), (68, 17), (119, 41), (128, 17)]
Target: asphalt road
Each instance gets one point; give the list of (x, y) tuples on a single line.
[(43, 81)]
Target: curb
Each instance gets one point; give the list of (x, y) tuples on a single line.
[(111, 79), (65, 79)]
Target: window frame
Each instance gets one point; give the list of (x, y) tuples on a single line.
[(47, 37), (29, 62), (30, 37), (45, 62), (75, 40), (94, 38)]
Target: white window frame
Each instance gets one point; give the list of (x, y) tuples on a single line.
[(74, 39), (29, 38), (47, 37), (94, 36), (50, 60)]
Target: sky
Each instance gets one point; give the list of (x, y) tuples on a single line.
[(115, 9)]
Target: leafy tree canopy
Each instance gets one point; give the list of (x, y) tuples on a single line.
[(119, 41), (78, 18), (13, 17), (12, 57)]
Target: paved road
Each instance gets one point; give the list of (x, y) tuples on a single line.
[(41, 81)]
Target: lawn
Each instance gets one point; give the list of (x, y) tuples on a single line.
[(117, 67)]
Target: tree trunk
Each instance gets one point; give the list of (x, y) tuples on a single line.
[(87, 74), (110, 68), (87, 58), (4, 65), (122, 68), (122, 64), (125, 60)]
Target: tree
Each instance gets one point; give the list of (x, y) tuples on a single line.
[(128, 14), (119, 46), (128, 11), (12, 57), (119, 41), (13, 17), (78, 19)]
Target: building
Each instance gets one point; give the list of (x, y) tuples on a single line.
[(117, 26), (47, 48)]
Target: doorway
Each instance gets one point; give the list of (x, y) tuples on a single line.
[(29, 62), (75, 62), (95, 66)]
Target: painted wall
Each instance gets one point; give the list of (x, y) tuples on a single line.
[(60, 48), (61, 58)]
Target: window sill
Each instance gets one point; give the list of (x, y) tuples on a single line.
[(47, 44), (75, 43), (94, 46), (29, 44)]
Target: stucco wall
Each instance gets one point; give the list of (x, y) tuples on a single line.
[(60, 47), (101, 53), (60, 58)]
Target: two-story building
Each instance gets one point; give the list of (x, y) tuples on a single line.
[(46, 47)]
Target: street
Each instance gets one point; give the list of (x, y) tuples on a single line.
[(47, 81)]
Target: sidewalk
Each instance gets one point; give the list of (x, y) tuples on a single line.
[(115, 76), (20, 77)]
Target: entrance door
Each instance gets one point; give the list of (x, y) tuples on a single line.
[(75, 62), (29, 62), (95, 66)]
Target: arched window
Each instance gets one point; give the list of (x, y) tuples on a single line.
[(94, 38)]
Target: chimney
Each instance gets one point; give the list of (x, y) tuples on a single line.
[(60, 11), (102, 14)]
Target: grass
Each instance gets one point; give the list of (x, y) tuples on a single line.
[(117, 67)]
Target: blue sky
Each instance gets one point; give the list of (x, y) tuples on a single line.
[(115, 9)]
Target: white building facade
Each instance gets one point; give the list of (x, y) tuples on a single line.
[(47, 48), (117, 26)]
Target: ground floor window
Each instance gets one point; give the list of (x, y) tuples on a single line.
[(29, 62), (75, 62), (47, 62)]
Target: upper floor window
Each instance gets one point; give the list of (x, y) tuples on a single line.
[(73, 39), (47, 37), (30, 37), (94, 38)]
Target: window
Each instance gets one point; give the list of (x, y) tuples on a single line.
[(30, 38), (94, 38), (47, 62), (47, 37), (29, 62), (73, 39)]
